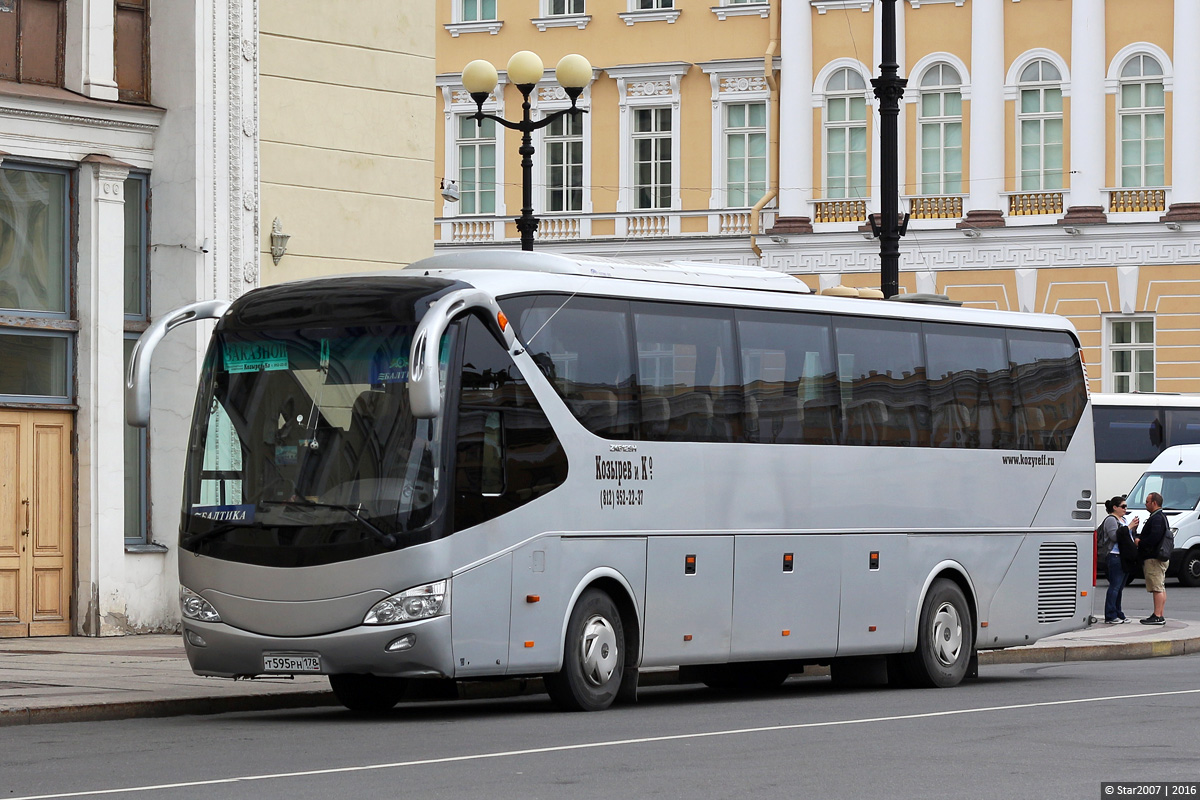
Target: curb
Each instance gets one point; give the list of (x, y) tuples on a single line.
[(175, 707), (517, 687), (1091, 652)]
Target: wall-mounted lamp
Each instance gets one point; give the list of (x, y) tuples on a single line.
[(279, 240), (449, 191), (1071, 230), (971, 233), (777, 239), (1174, 226)]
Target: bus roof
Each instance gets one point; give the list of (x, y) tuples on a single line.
[(504, 272), (729, 276)]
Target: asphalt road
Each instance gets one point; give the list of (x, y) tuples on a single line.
[(1027, 731)]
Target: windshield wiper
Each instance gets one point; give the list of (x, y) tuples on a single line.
[(193, 539), (378, 534)]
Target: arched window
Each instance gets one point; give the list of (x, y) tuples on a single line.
[(1040, 127), (941, 130), (1142, 117), (845, 135)]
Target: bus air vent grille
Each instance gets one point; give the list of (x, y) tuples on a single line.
[(1058, 568)]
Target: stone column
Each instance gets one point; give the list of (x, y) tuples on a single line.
[(986, 161), (1185, 115), (101, 420), (795, 120), (1088, 129), (88, 58)]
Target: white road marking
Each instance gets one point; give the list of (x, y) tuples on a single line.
[(593, 745)]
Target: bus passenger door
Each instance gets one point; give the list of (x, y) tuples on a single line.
[(785, 597), (480, 614), (689, 600), (875, 582)]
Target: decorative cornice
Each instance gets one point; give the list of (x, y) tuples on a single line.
[(762, 10), (822, 6), (579, 21), (491, 26), (667, 15)]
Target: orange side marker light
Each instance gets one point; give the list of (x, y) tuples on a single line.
[(529, 644)]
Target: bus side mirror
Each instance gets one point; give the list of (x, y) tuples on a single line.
[(425, 358), (137, 381)]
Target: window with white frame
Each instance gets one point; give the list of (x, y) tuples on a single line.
[(650, 5), (476, 10), (940, 121), (652, 158), (556, 8), (476, 148), (563, 146), (1142, 116), (1131, 354), (745, 153), (845, 135), (1040, 127)]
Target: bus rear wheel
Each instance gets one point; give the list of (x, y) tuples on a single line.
[(945, 639), (593, 657), (369, 694)]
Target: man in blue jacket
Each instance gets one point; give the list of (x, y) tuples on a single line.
[(1148, 541)]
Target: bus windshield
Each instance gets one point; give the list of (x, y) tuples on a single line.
[(1180, 490), (304, 450)]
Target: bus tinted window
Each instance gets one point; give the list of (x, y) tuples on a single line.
[(1183, 426), (582, 345), (788, 378), (1050, 388), (881, 376), (687, 373), (970, 387), (1127, 434), (507, 453)]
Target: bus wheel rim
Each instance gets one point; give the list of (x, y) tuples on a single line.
[(599, 651), (947, 635)]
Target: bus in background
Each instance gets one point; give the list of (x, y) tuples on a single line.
[(1131, 431), (495, 464)]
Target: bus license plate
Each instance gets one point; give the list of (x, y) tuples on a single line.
[(291, 662)]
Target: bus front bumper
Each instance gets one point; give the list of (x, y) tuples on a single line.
[(219, 650)]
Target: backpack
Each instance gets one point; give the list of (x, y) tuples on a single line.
[(1166, 546)]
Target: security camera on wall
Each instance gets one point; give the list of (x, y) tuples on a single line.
[(450, 191)]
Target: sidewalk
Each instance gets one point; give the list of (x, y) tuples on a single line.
[(70, 679)]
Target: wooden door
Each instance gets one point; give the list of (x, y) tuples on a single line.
[(36, 523)]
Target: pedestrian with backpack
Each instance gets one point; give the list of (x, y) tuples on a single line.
[(1111, 534), (1151, 541)]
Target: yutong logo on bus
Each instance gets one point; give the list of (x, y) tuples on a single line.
[(1028, 461)]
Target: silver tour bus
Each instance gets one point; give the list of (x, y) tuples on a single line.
[(498, 464)]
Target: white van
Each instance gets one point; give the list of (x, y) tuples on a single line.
[(1175, 474)]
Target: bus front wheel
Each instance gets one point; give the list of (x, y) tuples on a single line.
[(593, 657), (945, 639), (370, 694)]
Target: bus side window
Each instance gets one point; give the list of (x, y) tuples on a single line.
[(1183, 427), (506, 453), (969, 386), (582, 346), (788, 379), (685, 357), (1049, 379), (885, 397)]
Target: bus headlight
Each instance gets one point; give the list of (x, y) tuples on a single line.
[(196, 607), (419, 602)]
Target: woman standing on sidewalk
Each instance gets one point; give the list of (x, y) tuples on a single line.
[(1112, 530)]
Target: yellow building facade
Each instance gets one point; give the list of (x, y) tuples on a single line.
[(346, 155), (1044, 156)]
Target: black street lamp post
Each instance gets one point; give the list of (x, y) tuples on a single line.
[(525, 70), (889, 88)]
